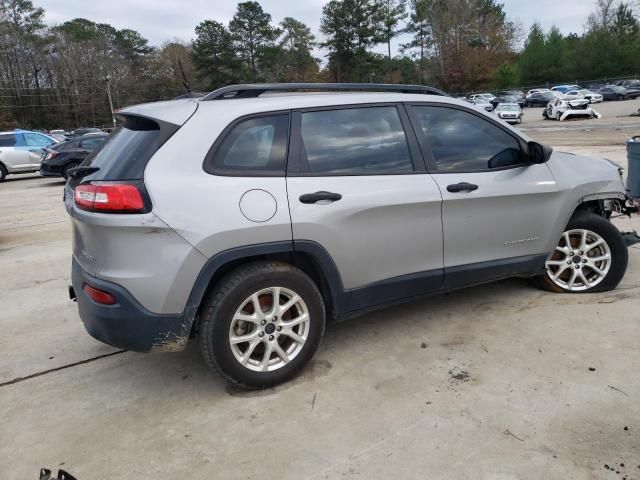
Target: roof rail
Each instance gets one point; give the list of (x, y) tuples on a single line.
[(253, 90)]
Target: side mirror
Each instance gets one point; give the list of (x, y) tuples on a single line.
[(538, 153)]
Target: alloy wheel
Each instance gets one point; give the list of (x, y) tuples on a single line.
[(581, 260), (269, 329)]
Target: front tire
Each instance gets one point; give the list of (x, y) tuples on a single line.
[(3, 173), (591, 256), (262, 324)]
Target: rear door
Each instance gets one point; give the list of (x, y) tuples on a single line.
[(34, 145), (495, 212), (10, 156), (358, 188)]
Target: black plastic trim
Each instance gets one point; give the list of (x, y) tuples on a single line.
[(253, 90)]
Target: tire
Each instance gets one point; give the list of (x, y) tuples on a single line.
[(558, 116), (3, 173), (619, 98), (65, 172), (603, 239), (243, 364)]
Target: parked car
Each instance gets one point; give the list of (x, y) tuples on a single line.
[(509, 112), (537, 90), (511, 93), (628, 83), (83, 131), (482, 102), (561, 109), (57, 160), (540, 99), (485, 96), (20, 151), (507, 99), (250, 221), (586, 94), (614, 92), (565, 88)]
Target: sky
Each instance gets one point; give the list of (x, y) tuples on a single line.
[(163, 20)]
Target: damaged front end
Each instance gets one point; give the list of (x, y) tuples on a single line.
[(576, 109)]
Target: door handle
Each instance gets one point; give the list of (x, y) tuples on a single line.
[(317, 196), (462, 187)]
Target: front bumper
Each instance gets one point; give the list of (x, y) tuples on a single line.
[(126, 324)]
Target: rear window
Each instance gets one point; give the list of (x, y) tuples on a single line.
[(7, 140), (124, 155)]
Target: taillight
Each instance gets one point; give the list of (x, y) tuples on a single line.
[(109, 197), (50, 155), (98, 296)]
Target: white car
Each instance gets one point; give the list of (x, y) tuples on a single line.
[(586, 94), (509, 112), (483, 103), (485, 96), (21, 151), (561, 109)]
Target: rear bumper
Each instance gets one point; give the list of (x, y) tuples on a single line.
[(47, 170), (127, 324)]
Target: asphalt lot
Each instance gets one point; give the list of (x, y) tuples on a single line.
[(496, 382)]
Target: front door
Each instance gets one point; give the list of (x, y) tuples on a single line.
[(358, 189), (495, 212)]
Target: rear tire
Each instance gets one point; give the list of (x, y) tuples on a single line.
[(3, 173), (248, 341), (599, 259)]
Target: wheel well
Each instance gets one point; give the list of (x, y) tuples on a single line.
[(593, 206), (301, 260), (2, 166)]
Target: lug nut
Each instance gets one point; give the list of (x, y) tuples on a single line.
[(580, 253), (584, 260), (577, 267), (568, 262), (261, 334), (279, 329), (263, 322), (271, 337)]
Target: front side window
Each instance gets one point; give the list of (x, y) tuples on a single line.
[(461, 141), (253, 146), (354, 141)]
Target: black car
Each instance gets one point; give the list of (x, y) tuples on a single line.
[(507, 99), (540, 99), (615, 92), (511, 93), (59, 159)]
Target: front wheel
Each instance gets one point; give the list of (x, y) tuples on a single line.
[(3, 173), (591, 256), (262, 324)]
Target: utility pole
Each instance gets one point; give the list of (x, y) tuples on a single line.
[(113, 118)]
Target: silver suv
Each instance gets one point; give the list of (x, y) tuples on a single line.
[(252, 216)]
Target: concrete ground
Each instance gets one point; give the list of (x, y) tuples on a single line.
[(496, 382)]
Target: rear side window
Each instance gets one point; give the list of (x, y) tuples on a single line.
[(91, 143), (7, 140), (253, 147), (37, 140), (127, 150), (354, 141)]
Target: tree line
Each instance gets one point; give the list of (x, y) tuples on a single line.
[(66, 75)]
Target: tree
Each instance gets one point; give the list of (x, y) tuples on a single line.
[(420, 29), (392, 13), (350, 27), (505, 76), (533, 58), (555, 56), (252, 33), (214, 55), (297, 43)]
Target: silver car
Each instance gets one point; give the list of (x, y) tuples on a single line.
[(21, 151), (251, 217)]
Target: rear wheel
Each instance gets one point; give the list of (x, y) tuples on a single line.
[(558, 116), (591, 256), (619, 97), (3, 173), (262, 324)]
